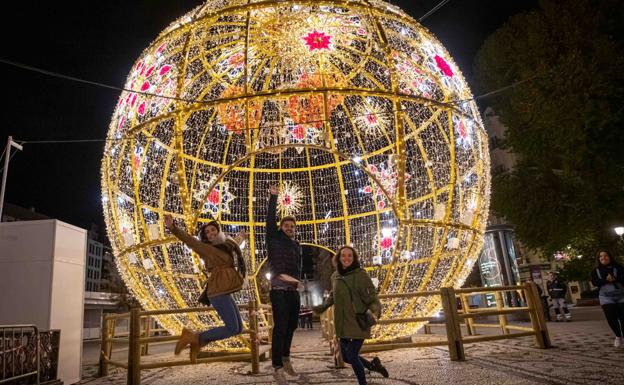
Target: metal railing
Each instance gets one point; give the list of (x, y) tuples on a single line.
[(19, 353), (453, 318), (140, 336)]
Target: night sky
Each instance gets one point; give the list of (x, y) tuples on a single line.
[(99, 40)]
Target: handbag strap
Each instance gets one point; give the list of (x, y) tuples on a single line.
[(350, 293)]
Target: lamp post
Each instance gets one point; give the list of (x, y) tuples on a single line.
[(7, 157), (619, 230)]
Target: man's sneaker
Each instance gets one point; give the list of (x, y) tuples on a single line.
[(378, 367), (280, 377), (617, 342), (288, 368)]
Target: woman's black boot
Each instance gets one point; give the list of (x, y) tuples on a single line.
[(378, 367)]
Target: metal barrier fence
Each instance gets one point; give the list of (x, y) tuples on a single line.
[(453, 317), (19, 354), (28, 355), (140, 336)]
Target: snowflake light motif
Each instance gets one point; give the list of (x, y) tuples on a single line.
[(372, 119), (219, 198), (387, 176), (464, 130), (137, 158), (413, 80), (385, 242), (290, 199)]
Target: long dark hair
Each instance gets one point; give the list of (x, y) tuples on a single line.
[(353, 266), (611, 261), (229, 246)]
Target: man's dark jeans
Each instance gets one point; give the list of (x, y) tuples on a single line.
[(285, 305)]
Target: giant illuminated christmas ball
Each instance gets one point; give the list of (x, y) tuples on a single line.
[(354, 108)]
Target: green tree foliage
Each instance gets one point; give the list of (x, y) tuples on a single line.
[(566, 124)]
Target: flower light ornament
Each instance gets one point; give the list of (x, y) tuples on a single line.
[(348, 106)]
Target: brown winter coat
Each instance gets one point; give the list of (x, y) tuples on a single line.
[(223, 278)]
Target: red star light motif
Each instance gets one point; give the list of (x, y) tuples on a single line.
[(317, 40)]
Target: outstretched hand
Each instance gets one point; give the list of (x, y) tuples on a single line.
[(274, 189), (169, 221)]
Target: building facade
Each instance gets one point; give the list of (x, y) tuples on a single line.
[(504, 260)]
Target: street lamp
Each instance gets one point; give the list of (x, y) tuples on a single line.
[(619, 230), (5, 172)]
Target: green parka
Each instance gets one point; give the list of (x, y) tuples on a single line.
[(364, 297)]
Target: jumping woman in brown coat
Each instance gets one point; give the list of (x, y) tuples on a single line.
[(219, 253)]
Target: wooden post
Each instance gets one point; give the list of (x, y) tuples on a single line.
[(469, 321), (502, 318), (453, 331), (254, 337), (148, 328), (103, 366), (143, 334), (427, 329), (134, 348), (537, 315)]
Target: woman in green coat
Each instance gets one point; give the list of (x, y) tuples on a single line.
[(352, 292)]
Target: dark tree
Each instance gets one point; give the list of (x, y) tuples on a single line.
[(566, 123)]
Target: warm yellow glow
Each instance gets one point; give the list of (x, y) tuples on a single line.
[(346, 104)]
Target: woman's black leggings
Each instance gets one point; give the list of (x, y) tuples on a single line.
[(350, 349), (615, 317)]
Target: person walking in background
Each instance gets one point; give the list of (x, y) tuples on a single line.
[(353, 293), (557, 290), (543, 299), (305, 317), (219, 254), (285, 259), (608, 276)]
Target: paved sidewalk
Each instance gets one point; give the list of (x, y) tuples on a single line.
[(583, 354)]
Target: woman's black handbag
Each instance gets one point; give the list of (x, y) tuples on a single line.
[(365, 320), (203, 297)]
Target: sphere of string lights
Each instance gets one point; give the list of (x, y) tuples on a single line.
[(352, 107)]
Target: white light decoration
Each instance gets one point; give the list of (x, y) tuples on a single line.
[(319, 97)]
